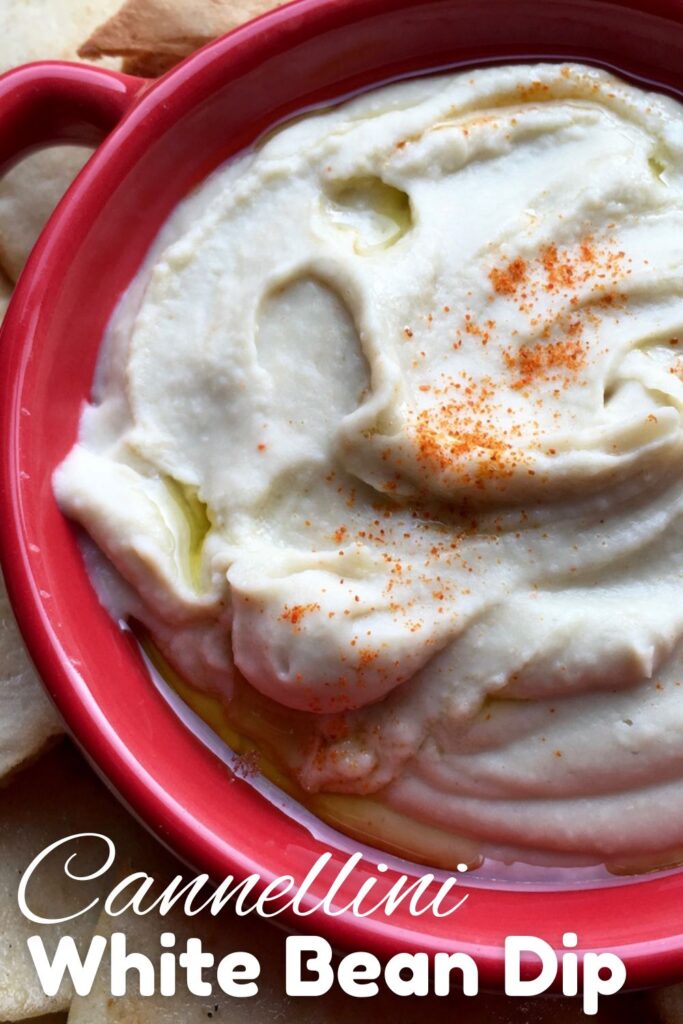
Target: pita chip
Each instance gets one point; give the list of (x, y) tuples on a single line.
[(28, 195), (667, 1005), (56, 797), (50, 1018), (168, 30), (30, 30), (47, 29), (5, 296), (27, 718), (40, 30)]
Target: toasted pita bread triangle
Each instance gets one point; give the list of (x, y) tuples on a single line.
[(56, 797), (27, 717), (28, 195), (169, 28), (40, 30), (48, 29), (667, 1005)]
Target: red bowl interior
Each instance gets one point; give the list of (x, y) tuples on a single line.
[(218, 101)]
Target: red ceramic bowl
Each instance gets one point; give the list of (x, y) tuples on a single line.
[(164, 138)]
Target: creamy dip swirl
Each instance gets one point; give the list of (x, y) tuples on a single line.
[(389, 426)]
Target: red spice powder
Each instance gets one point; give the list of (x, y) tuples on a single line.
[(537, 362), (340, 534), (559, 271), (506, 280), (459, 432), (296, 612), (366, 656)]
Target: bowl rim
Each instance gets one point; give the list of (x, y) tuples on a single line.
[(648, 962)]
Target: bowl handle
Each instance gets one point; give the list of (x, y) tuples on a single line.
[(55, 102)]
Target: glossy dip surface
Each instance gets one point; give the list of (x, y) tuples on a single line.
[(387, 442)]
